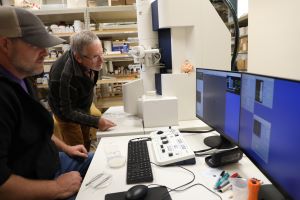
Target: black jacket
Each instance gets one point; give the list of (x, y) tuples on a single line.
[(26, 127), (71, 92)]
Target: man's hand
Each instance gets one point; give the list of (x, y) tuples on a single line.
[(68, 184), (77, 150), (105, 124)]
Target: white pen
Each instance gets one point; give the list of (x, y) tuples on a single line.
[(225, 188), (103, 181), (93, 179)]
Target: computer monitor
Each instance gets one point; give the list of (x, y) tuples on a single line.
[(218, 104), (131, 92), (270, 129)]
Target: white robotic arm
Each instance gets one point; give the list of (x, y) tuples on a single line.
[(145, 56)]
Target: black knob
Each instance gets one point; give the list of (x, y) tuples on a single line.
[(165, 141)]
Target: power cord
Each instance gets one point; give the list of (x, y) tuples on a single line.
[(200, 184), (183, 184), (204, 150), (176, 188), (203, 154)]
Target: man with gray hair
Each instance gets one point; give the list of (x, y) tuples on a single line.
[(71, 82), (31, 167)]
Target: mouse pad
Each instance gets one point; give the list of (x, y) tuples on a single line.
[(154, 193)]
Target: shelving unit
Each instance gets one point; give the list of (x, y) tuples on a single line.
[(114, 96), (96, 15), (112, 13), (52, 16), (118, 33)]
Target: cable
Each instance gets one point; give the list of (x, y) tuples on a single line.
[(176, 188), (182, 168), (236, 34), (204, 131), (204, 150), (202, 154), (200, 184), (180, 190), (159, 185)]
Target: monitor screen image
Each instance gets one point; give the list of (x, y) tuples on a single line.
[(218, 103), (270, 129)]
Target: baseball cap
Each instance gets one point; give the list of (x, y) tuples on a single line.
[(21, 23)]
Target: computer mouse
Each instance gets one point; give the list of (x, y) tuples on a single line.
[(137, 192)]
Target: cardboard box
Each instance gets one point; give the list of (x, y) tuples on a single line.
[(117, 2), (130, 2), (243, 47), (241, 65)]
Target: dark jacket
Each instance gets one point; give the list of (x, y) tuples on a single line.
[(71, 91), (26, 127)]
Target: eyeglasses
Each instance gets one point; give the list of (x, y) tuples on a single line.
[(95, 58)]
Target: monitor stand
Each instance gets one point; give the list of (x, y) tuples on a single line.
[(218, 142), (268, 191)]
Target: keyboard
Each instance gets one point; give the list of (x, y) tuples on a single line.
[(138, 162), (171, 148)]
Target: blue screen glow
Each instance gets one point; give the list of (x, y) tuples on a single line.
[(218, 101), (269, 128)]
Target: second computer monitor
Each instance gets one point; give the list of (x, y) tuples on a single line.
[(270, 129), (218, 104)]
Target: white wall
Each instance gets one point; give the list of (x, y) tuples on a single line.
[(274, 38), (197, 32)]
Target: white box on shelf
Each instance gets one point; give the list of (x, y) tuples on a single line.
[(76, 3)]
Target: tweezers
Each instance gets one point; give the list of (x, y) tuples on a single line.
[(95, 178), (103, 181)]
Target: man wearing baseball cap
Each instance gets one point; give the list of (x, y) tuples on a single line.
[(30, 165)]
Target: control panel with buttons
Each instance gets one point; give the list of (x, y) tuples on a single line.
[(170, 147)]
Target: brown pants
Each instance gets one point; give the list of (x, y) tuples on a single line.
[(73, 133), (96, 112)]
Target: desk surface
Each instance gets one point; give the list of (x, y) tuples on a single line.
[(168, 176), (128, 124), (190, 125)]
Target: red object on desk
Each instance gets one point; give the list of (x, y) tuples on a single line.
[(253, 188)]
